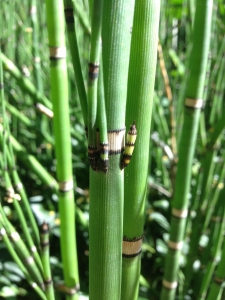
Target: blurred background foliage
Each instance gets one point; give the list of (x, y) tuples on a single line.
[(24, 38)]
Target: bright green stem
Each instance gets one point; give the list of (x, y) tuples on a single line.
[(195, 87), (101, 113), (94, 70), (24, 83), (72, 37), (141, 79), (59, 96), (131, 268), (105, 231), (116, 25), (106, 190)]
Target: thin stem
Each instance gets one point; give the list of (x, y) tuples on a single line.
[(59, 96)]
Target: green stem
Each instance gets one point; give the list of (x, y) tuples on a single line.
[(193, 102), (140, 94), (93, 80), (72, 37), (106, 189), (59, 96), (49, 291)]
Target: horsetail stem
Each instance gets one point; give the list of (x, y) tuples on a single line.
[(72, 37), (140, 94), (49, 291), (93, 80), (59, 96), (106, 189), (193, 104)]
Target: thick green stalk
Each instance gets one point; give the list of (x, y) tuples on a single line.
[(106, 189), (193, 103), (140, 93), (59, 96)]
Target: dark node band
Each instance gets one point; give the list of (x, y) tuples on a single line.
[(45, 244), (44, 228), (125, 239), (218, 280), (104, 165), (53, 58), (116, 130), (129, 144), (115, 152), (67, 290), (93, 71), (86, 131), (69, 16), (131, 255), (104, 148), (48, 281)]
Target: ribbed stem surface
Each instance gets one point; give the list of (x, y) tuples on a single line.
[(59, 95), (194, 92), (106, 189), (139, 108)]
